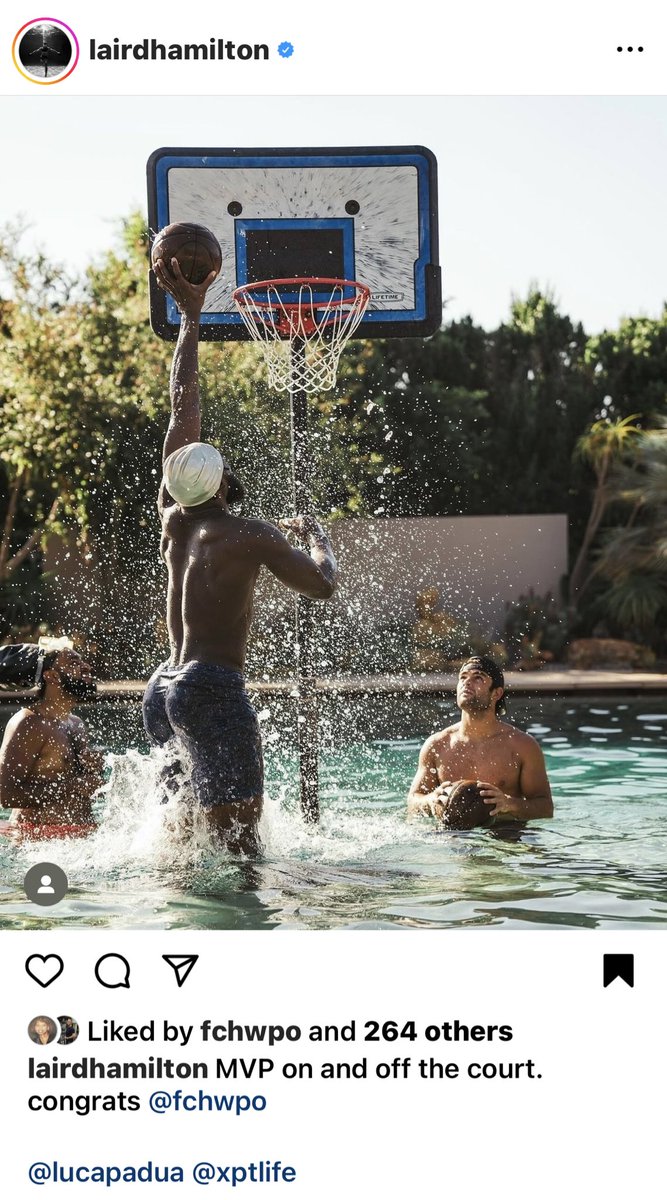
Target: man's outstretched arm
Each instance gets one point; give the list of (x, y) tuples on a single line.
[(185, 419), (314, 574)]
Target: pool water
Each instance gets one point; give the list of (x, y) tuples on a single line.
[(601, 863)]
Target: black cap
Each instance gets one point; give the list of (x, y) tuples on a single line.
[(481, 662), (21, 664)]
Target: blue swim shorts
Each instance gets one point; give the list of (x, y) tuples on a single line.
[(206, 710)]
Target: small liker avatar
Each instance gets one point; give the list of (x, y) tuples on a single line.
[(42, 1030), (69, 1030)]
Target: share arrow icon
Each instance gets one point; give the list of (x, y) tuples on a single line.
[(181, 965)]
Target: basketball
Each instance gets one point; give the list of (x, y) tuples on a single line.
[(195, 248), (465, 807)]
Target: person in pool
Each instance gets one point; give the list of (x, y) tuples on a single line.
[(195, 704), (48, 770), (507, 763)]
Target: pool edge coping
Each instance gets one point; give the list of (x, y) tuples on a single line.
[(519, 683)]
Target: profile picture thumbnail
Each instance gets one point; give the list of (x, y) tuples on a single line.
[(45, 51), (43, 1030), (69, 1030)]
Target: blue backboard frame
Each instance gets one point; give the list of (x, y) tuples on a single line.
[(422, 319)]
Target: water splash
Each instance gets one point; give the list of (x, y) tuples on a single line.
[(600, 863), (138, 834)]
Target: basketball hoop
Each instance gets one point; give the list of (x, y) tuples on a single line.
[(302, 326)]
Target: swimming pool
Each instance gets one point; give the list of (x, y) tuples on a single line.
[(600, 864)]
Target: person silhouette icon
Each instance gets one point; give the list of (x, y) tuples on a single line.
[(46, 884)]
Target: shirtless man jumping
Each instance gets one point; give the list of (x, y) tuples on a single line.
[(507, 763), (48, 769), (196, 703)]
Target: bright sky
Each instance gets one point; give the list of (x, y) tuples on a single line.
[(570, 192)]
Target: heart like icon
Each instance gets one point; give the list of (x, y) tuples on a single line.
[(44, 968)]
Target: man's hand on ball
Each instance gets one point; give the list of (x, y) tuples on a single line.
[(494, 795), (188, 296), (438, 799)]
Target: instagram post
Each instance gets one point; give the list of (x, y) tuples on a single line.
[(484, 532), (332, 605)]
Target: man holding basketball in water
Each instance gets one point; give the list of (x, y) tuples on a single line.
[(507, 764), (196, 704)]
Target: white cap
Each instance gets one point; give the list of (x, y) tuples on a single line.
[(193, 474), (55, 644)]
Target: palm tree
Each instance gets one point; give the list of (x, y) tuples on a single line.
[(602, 446), (633, 557)]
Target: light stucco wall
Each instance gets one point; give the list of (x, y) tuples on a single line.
[(478, 563)]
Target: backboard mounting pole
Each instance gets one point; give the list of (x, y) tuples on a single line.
[(307, 708)]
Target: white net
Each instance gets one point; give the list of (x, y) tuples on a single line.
[(302, 326)]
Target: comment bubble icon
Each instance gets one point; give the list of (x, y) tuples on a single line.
[(112, 971)]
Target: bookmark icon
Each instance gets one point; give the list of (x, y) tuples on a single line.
[(618, 966)]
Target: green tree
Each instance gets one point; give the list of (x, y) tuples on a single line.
[(629, 368), (602, 446), (37, 452), (71, 402), (541, 397), (631, 566), (468, 421), (412, 417)]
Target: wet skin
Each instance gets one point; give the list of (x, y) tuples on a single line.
[(48, 770), (507, 763), (213, 557)]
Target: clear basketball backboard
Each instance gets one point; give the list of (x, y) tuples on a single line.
[(366, 214)]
